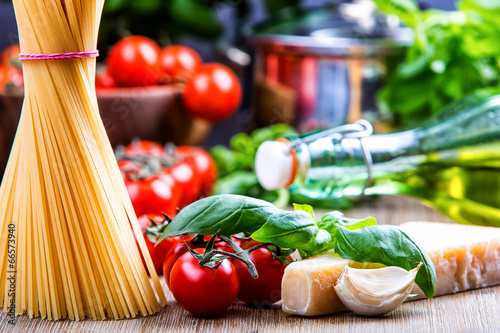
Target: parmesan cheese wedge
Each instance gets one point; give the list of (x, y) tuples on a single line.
[(466, 257)]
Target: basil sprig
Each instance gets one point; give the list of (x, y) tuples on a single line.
[(232, 214), (359, 240)]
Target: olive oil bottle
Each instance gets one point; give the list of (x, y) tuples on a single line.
[(452, 162)]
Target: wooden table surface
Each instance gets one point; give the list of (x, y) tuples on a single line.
[(472, 311)]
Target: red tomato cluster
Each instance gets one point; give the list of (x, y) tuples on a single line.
[(205, 291), (158, 181), (11, 72), (212, 91)]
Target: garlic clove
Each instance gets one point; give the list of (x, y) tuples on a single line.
[(374, 292)]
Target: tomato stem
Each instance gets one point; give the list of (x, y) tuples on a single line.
[(251, 267), (244, 256), (261, 245), (277, 251), (208, 258), (156, 229)]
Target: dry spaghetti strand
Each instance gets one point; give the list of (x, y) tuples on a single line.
[(75, 253)]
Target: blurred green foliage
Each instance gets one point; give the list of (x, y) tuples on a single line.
[(167, 20), (455, 53)]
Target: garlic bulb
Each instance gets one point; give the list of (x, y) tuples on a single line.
[(374, 292)]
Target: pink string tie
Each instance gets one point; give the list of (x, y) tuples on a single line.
[(55, 56)]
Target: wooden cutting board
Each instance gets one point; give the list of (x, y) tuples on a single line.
[(472, 311)]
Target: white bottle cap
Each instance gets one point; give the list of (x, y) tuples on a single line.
[(274, 165)]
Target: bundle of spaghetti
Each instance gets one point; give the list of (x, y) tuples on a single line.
[(67, 248)]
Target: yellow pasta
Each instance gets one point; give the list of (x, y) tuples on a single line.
[(64, 211)]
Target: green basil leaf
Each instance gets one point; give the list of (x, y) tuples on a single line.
[(296, 230), (390, 246), (231, 214), (305, 208), (333, 220), (330, 220)]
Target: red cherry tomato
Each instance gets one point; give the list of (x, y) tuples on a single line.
[(205, 166), (201, 290), (180, 249), (144, 147), (185, 174), (157, 252), (104, 81), (175, 252), (265, 290), (156, 194), (179, 61), (10, 56), (212, 93), (134, 61), (10, 78)]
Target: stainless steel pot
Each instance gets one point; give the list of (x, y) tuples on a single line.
[(321, 69)]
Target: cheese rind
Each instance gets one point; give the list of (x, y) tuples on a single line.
[(466, 257)]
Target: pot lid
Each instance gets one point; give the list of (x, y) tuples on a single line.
[(348, 29)]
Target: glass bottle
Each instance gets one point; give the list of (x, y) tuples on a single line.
[(452, 162)]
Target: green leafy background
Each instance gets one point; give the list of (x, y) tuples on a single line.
[(455, 53)]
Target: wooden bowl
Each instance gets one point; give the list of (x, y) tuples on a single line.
[(149, 113)]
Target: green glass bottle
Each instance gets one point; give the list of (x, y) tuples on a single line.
[(452, 162)]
